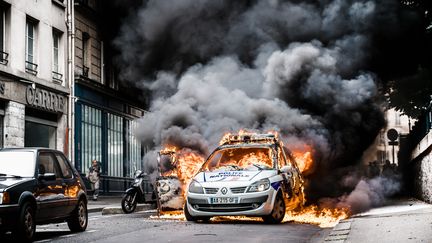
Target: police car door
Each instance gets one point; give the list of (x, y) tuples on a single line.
[(287, 182)]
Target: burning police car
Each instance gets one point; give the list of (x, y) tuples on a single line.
[(248, 175)]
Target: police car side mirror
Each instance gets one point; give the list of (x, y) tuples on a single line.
[(285, 169)]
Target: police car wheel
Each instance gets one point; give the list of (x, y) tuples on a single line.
[(187, 214), (278, 212)]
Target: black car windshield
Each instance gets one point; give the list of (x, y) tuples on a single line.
[(240, 158), (17, 163)]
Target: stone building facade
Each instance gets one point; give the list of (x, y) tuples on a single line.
[(33, 89), (104, 114)]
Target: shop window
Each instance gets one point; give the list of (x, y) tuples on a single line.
[(38, 134), (91, 136), (115, 145), (134, 149)]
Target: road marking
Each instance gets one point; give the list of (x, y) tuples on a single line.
[(90, 231), (46, 240), (67, 236), (53, 229)]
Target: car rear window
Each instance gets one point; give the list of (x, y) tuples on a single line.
[(17, 163)]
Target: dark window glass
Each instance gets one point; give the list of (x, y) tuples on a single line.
[(66, 171), (47, 164), (39, 135)]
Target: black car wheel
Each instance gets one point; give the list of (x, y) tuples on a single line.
[(79, 219), (129, 202), (278, 212), (26, 224)]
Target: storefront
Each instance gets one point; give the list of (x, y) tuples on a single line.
[(104, 130), (32, 115)]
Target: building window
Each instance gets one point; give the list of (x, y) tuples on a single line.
[(134, 149), (56, 74), (31, 66), (381, 156), (85, 54), (115, 145), (397, 118), (91, 139), (3, 55)]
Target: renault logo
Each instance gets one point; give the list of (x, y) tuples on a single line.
[(224, 190)]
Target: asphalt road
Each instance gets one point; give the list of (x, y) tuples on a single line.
[(140, 227)]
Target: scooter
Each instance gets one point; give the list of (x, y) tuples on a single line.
[(141, 191)]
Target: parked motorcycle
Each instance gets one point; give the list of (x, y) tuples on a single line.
[(141, 191)]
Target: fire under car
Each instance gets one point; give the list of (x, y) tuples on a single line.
[(248, 175)]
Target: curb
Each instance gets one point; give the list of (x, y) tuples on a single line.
[(340, 232), (118, 210)]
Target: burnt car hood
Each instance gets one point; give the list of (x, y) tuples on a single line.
[(233, 175), (6, 182)]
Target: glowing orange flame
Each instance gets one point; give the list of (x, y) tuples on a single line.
[(323, 217), (304, 160), (186, 163)]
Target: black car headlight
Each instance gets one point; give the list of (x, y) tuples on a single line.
[(164, 187), (259, 186), (195, 187)]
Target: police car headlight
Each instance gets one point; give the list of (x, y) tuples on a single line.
[(164, 187), (259, 186), (4, 197), (195, 187)]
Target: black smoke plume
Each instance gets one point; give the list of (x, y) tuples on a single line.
[(312, 70)]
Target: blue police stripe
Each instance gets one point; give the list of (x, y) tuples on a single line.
[(276, 185)]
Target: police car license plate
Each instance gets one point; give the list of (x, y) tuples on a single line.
[(223, 200)]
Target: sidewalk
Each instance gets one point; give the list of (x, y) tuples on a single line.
[(408, 220), (103, 202), (111, 205)]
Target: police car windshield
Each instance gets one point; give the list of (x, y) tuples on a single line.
[(240, 158)]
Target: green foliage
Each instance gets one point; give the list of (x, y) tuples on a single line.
[(411, 95)]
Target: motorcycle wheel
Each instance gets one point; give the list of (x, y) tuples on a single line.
[(128, 202)]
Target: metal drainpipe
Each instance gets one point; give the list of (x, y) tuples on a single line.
[(70, 22)]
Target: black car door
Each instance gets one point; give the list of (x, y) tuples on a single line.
[(50, 195), (71, 182)]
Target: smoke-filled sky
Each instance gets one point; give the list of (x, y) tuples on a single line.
[(312, 70)]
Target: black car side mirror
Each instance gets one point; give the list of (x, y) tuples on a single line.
[(47, 176)]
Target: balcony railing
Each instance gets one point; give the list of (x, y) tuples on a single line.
[(57, 77), (4, 57), (31, 68)]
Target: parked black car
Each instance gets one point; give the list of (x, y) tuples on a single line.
[(39, 186)]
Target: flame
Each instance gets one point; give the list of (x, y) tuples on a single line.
[(303, 157), (313, 214), (173, 215), (186, 163)]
